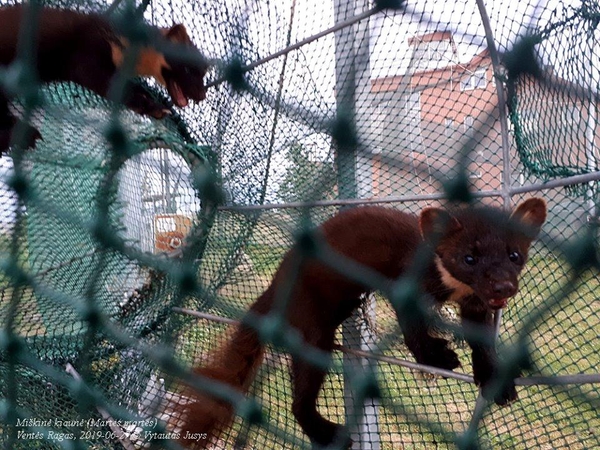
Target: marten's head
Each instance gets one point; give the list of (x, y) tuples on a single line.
[(481, 251), (184, 80), (181, 69)]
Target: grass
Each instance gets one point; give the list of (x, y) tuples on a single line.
[(416, 411)]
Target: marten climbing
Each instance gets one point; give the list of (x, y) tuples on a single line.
[(85, 49), (477, 260)]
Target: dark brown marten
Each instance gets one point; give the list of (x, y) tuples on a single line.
[(478, 258), (84, 49)]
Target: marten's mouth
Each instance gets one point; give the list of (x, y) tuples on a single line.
[(498, 303), (177, 94)]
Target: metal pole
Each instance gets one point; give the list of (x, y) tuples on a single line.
[(504, 129), (352, 71), (591, 152)]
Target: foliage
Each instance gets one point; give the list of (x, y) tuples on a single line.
[(306, 178)]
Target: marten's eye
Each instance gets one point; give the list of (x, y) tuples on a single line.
[(470, 260), (515, 257)]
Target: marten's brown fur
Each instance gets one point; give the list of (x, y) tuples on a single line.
[(84, 48), (478, 258)]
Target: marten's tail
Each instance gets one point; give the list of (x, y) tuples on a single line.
[(235, 364)]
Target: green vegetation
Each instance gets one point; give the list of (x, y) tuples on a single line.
[(306, 178)]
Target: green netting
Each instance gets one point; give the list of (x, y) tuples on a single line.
[(554, 113), (313, 107)]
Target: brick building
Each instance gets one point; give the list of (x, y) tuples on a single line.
[(423, 118)]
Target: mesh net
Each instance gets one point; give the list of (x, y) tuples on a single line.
[(117, 228)]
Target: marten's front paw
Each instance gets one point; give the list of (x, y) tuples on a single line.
[(436, 353), (507, 394), (329, 434)]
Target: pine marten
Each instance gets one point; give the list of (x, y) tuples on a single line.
[(479, 255), (85, 49)]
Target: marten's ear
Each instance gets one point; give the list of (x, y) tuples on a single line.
[(177, 33), (531, 215), (437, 222)]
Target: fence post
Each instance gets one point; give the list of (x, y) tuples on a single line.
[(353, 163)]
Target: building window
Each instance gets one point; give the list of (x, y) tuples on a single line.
[(413, 105), (477, 80), (570, 113), (477, 161), (449, 123), (412, 114), (468, 124), (429, 55), (531, 127)]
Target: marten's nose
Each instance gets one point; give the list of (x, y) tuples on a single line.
[(504, 289)]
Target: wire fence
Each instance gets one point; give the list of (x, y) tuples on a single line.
[(131, 247)]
